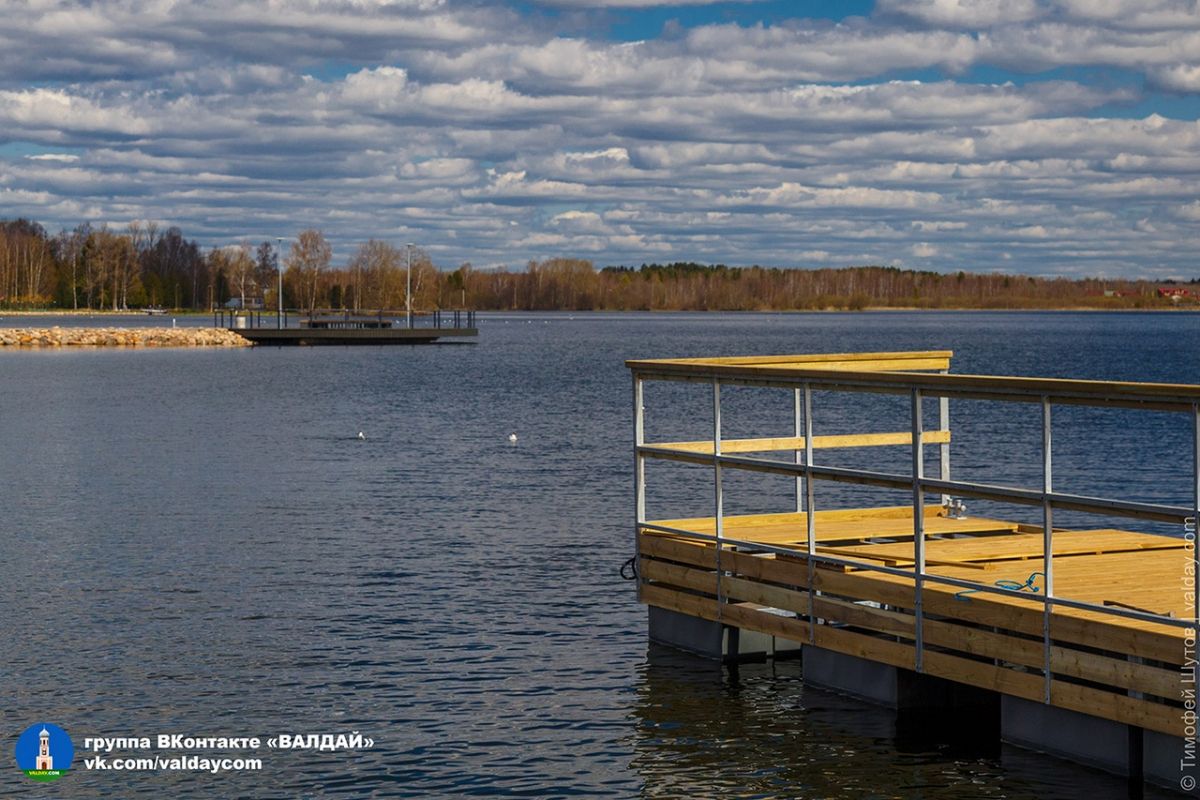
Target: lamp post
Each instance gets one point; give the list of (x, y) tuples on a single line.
[(408, 289), (279, 270)]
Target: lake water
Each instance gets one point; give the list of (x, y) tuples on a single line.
[(197, 542)]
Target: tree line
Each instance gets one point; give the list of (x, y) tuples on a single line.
[(144, 265)]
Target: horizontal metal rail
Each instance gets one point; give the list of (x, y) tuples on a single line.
[(983, 491), (981, 588), (1149, 396)]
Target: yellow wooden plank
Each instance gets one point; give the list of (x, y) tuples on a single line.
[(799, 517), (765, 594), (676, 549), (859, 586), (804, 358), (966, 551), (1126, 674), (869, 647), (986, 676), (684, 603), (870, 553), (864, 616), (1165, 396), (766, 567), (742, 616), (750, 618), (878, 365), (1118, 707), (677, 575), (730, 446), (763, 567), (848, 526)]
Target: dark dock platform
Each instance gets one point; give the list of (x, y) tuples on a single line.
[(351, 328)]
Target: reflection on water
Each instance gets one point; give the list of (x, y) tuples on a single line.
[(755, 730), (197, 542)]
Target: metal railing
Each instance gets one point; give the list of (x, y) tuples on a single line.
[(803, 379)]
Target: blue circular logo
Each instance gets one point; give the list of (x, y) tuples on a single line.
[(44, 752)]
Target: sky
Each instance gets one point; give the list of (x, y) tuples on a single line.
[(1046, 138)]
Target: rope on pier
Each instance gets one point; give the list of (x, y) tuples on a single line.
[(1011, 585), (629, 570)]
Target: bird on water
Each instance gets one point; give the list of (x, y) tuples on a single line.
[(512, 438)]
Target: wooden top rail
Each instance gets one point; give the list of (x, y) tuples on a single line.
[(861, 372), (764, 445), (905, 360)]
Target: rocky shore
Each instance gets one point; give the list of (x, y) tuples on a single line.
[(120, 337)]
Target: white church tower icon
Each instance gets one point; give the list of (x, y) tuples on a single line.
[(44, 759)]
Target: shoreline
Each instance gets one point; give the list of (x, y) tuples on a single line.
[(101, 314), (57, 337), (94, 312)]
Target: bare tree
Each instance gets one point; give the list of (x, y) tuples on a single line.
[(309, 258), (236, 265), (375, 271)]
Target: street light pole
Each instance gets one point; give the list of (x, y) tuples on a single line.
[(279, 269), (408, 289)]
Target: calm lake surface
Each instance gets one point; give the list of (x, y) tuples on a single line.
[(197, 542)]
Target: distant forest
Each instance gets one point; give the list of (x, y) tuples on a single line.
[(144, 265)]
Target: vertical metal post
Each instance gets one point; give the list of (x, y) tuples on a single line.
[(798, 428), (944, 447), (639, 470), (279, 269), (810, 517), (408, 290), (718, 496), (1047, 543), (918, 492)]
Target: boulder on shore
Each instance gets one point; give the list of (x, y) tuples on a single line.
[(120, 337)]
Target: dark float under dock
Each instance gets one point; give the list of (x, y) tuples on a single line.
[(321, 336)]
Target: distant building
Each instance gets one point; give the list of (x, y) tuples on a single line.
[(1174, 293), (252, 304)]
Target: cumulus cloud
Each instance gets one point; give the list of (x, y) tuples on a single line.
[(1183, 78), (962, 13), (630, 3), (493, 134), (65, 158)]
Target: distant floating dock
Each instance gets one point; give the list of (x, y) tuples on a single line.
[(350, 328), (1080, 642)]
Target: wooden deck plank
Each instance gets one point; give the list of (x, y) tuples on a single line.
[(1137, 578), (834, 526), (1015, 547), (1122, 568)]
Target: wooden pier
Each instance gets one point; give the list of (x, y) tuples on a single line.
[(1091, 627)]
